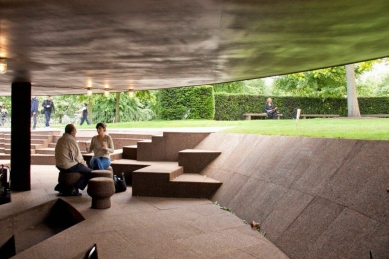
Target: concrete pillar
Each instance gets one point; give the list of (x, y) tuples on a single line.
[(20, 137)]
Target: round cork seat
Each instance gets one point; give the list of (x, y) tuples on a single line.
[(102, 173), (101, 189), (110, 169), (68, 179)]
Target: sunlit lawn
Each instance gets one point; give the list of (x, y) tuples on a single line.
[(329, 128)]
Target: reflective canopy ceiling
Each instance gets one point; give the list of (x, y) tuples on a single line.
[(60, 45)]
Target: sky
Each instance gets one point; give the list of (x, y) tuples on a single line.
[(378, 71)]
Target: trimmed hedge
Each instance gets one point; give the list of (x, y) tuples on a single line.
[(195, 102), (233, 106)]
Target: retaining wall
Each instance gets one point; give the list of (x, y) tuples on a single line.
[(314, 197)]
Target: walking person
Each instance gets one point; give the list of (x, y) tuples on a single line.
[(84, 115), (48, 107), (4, 115), (34, 110)]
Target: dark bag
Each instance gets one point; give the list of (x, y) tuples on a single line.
[(43, 111), (4, 185), (120, 183)]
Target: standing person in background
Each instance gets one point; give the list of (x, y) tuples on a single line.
[(84, 115), (4, 115), (34, 109), (48, 105)]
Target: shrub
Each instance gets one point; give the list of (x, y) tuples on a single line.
[(195, 102), (233, 106)]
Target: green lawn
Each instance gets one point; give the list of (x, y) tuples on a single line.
[(377, 129)]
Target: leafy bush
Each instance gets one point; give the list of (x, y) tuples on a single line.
[(233, 106), (131, 109), (195, 102)]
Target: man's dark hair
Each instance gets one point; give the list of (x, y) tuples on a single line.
[(102, 125), (69, 128)]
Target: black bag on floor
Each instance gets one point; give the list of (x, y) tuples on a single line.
[(120, 183), (5, 195)]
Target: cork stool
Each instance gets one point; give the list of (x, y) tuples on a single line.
[(102, 173), (101, 189), (110, 169), (67, 181)]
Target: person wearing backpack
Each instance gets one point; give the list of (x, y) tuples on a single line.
[(48, 107)]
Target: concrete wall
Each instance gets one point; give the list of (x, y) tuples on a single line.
[(314, 198)]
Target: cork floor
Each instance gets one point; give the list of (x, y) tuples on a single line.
[(141, 227)]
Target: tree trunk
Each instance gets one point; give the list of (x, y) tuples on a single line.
[(352, 100), (117, 113)]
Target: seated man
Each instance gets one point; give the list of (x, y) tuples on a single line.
[(68, 159), (270, 109)]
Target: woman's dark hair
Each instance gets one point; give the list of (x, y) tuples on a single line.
[(85, 104), (102, 125)]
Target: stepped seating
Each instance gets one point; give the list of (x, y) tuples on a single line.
[(166, 178), (43, 145), (2, 149), (42, 159), (127, 139), (130, 152), (128, 166), (166, 165), (41, 152), (51, 145), (195, 160), (166, 147), (7, 144), (47, 151)]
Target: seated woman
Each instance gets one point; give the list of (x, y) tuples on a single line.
[(270, 110), (102, 146)]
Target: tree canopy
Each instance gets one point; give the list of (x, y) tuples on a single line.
[(324, 83), (253, 86)]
